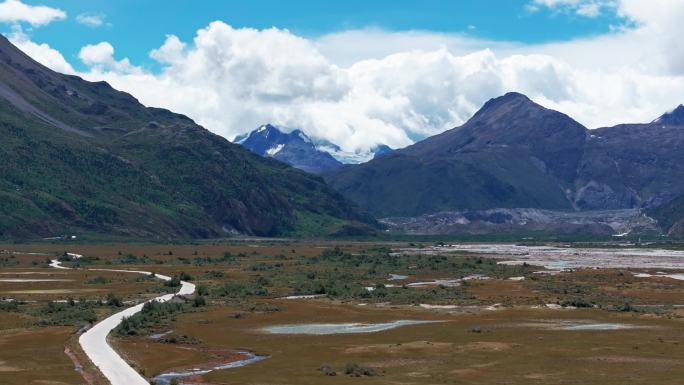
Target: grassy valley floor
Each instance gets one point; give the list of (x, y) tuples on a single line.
[(498, 324)]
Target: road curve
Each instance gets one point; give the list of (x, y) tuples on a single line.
[(94, 341)]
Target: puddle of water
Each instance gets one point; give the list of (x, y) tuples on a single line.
[(447, 282), (597, 326), (166, 378), (372, 288), (397, 277), (577, 325), (427, 306), (678, 277), (160, 335), (307, 296), (450, 282), (341, 328), (437, 282)]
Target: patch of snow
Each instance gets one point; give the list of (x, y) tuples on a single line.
[(347, 157), (303, 137), (274, 150)]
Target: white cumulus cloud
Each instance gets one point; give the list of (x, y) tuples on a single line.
[(42, 53), (100, 57), (14, 11), (366, 87), (91, 19), (586, 8)]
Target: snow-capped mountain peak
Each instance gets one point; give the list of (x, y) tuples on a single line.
[(294, 148), (302, 151)]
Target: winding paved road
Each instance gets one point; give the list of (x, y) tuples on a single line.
[(94, 341)]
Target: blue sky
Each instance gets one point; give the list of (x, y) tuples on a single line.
[(135, 27)]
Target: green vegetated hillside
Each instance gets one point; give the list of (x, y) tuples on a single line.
[(82, 157)]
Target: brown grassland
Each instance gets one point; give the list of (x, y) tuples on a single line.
[(499, 332)]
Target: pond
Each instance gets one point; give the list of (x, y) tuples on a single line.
[(341, 328)]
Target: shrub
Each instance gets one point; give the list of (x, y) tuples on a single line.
[(214, 274), (113, 300), (199, 301), (152, 315), (327, 370), (355, 370), (202, 290), (577, 302), (626, 307), (66, 314), (99, 280), (9, 306), (173, 282)]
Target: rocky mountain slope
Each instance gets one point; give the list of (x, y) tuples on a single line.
[(673, 118), (670, 216), (514, 153), (82, 157)]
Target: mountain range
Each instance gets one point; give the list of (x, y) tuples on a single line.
[(514, 153), (297, 149), (83, 157)]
